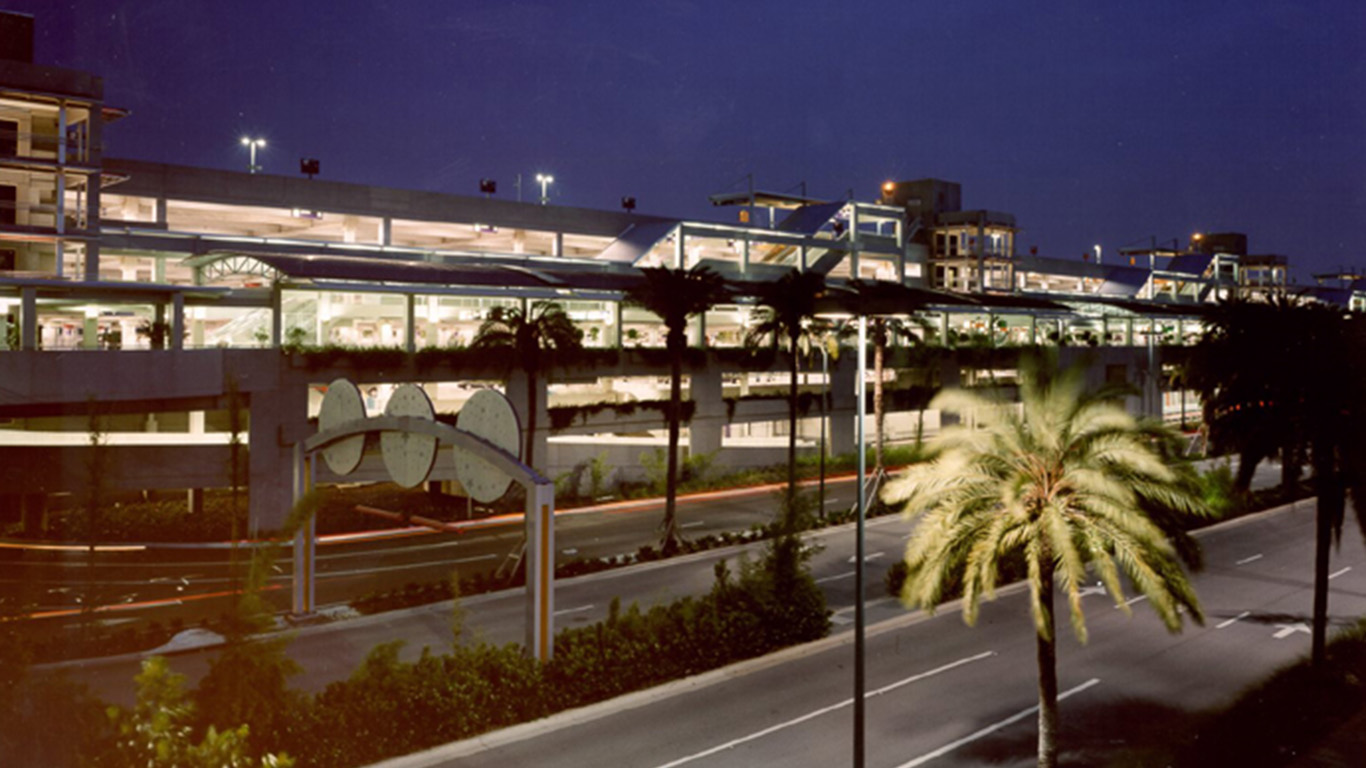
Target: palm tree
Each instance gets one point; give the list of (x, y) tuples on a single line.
[(1060, 484), (676, 295), (529, 333), (786, 306), (1252, 390), (1289, 374)]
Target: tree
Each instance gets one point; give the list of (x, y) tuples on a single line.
[(786, 306), (1290, 374), (1245, 369), (529, 333), (1060, 486), (675, 295)]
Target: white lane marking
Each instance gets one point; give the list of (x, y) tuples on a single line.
[(1096, 590), (1234, 620), (824, 710), (836, 577), (990, 729), (840, 620), (866, 558), (570, 551), (693, 524), (1247, 560), (1133, 600), (1286, 630), (1336, 574), (588, 607)]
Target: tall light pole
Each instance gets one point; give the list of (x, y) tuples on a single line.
[(858, 550), (545, 180), (252, 145)]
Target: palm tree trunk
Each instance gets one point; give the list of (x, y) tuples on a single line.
[(1330, 507), (531, 403), (1047, 652), (792, 425), (879, 416), (670, 536)]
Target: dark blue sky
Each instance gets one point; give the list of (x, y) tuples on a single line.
[(1092, 122)]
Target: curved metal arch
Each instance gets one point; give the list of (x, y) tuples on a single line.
[(219, 266), (523, 474)]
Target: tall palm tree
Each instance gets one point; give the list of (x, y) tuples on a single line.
[(1061, 484), (786, 306), (676, 295), (529, 333), (1290, 374), (1251, 388)]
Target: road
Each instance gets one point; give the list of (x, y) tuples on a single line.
[(941, 694), (194, 582)]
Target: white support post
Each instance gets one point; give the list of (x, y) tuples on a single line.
[(304, 538), (540, 571)]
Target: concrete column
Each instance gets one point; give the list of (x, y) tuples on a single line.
[(28, 318), (177, 330), (160, 212), (557, 247), (1128, 331), (277, 316), (843, 404), (708, 423), (516, 394), (410, 325), (90, 333), (614, 333), (159, 271), (276, 422), (386, 231), (854, 242), (95, 126), (697, 331), (680, 252)]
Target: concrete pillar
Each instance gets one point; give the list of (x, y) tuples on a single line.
[(708, 423), (744, 256), (410, 324), (386, 231), (680, 254), (95, 126), (276, 422), (557, 247), (28, 318), (843, 404), (516, 394), (177, 329), (194, 499), (277, 316), (90, 333)]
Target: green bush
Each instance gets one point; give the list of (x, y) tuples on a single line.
[(390, 707)]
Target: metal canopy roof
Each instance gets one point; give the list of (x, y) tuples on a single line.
[(763, 198), (808, 219), (637, 241)]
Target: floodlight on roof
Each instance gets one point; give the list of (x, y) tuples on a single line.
[(628, 203)]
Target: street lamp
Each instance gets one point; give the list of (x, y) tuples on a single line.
[(1097, 249), (545, 180), (252, 145)]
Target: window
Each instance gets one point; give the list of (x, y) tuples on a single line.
[(9, 138)]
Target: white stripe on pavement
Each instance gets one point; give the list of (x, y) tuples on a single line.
[(1233, 620), (994, 727), (824, 710), (1247, 560), (1336, 574)]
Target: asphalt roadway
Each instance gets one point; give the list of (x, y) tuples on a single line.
[(943, 694)]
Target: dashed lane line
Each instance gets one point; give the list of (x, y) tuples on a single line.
[(825, 710)]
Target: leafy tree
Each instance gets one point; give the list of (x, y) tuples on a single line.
[(529, 333), (676, 295), (1061, 485), (786, 307)]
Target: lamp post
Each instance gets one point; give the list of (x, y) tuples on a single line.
[(545, 180), (252, 145), (858, 549)]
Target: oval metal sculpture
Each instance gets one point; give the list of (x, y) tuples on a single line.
[(342, 404), (487, 414), (409, 456)]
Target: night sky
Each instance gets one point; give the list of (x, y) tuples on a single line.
[(1092, 122)]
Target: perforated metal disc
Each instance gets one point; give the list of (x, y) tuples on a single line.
[(490, 415), (342, 404), (409, 457)]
